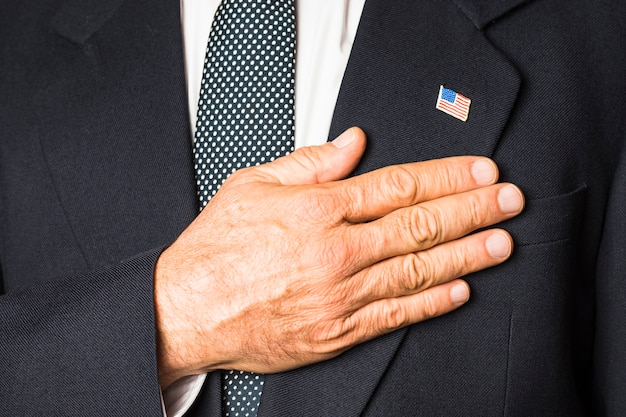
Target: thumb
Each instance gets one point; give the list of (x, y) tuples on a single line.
[(317, 164)]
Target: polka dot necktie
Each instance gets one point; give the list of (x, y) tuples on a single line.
[(245, 118)]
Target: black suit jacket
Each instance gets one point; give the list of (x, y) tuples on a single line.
[(96, 178)]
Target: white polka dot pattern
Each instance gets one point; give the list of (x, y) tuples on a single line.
[(246, 106), (241, 393), (245, 118)]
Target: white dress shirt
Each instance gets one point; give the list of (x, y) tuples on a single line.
[(325, 31)]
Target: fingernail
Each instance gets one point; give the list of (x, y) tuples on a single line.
[(344, 139), (459, 294), (498, 245), (484, 172), (510, 199)]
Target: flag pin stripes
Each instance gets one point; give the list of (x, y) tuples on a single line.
[(453, 103)]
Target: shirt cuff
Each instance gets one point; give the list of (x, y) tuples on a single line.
[(180, 395)]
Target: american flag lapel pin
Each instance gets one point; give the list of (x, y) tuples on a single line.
[(453, 103)]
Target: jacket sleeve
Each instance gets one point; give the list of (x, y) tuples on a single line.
[(83, 345), (610, 328)]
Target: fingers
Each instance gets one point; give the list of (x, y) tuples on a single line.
[(375, 194), (316, 164), (416, 272), (413, 288), (425, 225), (389, 314)]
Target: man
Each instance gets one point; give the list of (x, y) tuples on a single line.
[(94, 174)]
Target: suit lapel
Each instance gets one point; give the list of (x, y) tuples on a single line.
[(403, 52), (116, 131), (402, 55)]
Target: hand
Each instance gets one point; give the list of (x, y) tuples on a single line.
[(289, 265)]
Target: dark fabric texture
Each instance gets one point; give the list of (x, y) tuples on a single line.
[(96, 168)]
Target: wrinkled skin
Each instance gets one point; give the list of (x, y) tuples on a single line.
[(290, 265)]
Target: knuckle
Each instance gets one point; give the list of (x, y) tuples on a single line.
[(463, 261), (475, 210), (425, 226), (321, 336), (394, 316), (402, 184), (339, 332), (444, 177), (332, 337), (417, 272), (451, 179)]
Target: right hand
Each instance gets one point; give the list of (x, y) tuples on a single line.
[(290, 265)]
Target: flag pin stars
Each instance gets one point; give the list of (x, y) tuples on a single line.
[(453, 103)]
